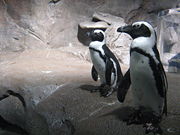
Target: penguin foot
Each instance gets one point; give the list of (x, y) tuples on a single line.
[(151, 123), (152, 128), (106, 91), (134, 118), (150, 117)]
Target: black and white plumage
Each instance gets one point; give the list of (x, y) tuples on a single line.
[(105, 64), (146, 74)]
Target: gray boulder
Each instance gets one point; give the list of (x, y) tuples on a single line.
[(38, 117)]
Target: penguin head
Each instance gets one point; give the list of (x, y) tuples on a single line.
[(138, 29), (97, 35)]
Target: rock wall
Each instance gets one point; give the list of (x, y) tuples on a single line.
[(35, 24), (36, 27)]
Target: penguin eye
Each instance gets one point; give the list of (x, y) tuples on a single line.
[(136, 26)]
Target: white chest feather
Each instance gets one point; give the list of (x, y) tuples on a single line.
[(97, 46), (97, 53), (96, 56), (97, 61), (146, 44), (143, 83)]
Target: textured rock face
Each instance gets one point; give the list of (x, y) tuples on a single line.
[(147, 10), (29, 32), (39, 117), (36, 74), (40, 24)]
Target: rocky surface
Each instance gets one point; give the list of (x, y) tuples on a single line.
[(40, 67), (66, 105), (42, 60), (35, 75), (43, 24)]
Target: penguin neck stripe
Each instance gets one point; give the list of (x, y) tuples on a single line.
[(136, 49), (100, 54)]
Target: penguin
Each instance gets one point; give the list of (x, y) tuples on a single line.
[(105, 64), (146, 76)]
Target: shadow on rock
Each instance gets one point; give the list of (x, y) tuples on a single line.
[(89, 87), (121, 113), (5, 125)]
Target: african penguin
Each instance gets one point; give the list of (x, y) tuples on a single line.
[(146, 76), (105, 64)]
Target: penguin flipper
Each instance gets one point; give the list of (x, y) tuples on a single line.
[(163, 90), (124, 86), (94, 73), (109, 67)]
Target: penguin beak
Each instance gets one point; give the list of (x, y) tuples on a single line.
[(125, 29), (120, 29)]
